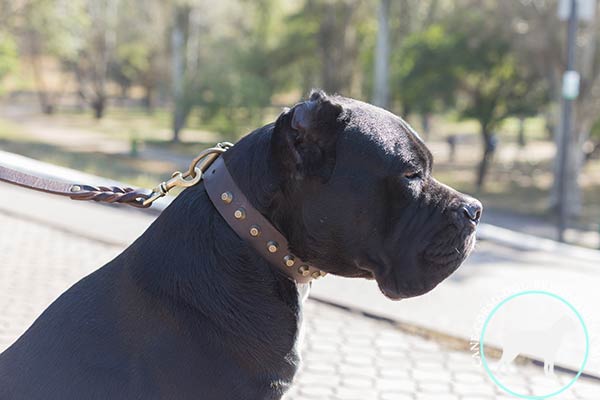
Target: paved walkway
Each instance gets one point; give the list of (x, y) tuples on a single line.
[(347, 355), (492, 273)]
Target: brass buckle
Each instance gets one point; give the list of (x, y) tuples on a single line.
[(192, 176)]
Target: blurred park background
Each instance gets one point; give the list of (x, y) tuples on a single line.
[(131, 89)]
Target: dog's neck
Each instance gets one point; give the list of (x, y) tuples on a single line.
[(193, 260)]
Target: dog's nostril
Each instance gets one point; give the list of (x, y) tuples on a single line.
[(473, 211)]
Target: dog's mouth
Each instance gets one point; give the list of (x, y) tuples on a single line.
[(440, 258), (448, 250)]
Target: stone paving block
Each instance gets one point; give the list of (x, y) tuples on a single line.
[(346, 355), (395, 384), (396, 396)]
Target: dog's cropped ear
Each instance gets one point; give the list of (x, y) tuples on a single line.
[(305, 137)]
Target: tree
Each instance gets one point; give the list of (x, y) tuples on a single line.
[(48, 37), (228, 72), (468, 64), (179, 43), (407, 19), (96, 48), (324, 43), (426, 70), (8, 54), (541, 41), (141, 48)]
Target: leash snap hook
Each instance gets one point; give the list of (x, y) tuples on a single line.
[(180, 180), (195, 171), (177, 180)]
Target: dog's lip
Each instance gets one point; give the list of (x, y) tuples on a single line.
[(407, 290), (366, 273), (394, 290), (390, 295), (472, 226)]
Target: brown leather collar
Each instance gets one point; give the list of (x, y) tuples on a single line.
[(252, 226)]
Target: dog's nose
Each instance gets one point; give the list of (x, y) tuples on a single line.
[(473, 210)]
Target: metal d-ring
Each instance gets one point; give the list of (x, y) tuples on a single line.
[(207, 157)]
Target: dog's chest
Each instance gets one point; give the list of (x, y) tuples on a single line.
[(303, 291)]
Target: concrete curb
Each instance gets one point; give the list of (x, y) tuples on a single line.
[(523, 241), (506, 237)]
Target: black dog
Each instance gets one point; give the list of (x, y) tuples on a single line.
[(191, 311)]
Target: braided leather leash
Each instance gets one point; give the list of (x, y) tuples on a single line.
[(107, 194), (248, 223), (139, 198)]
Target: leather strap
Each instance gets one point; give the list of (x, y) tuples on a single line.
[(106, 194), (252, 226), (224, 193)]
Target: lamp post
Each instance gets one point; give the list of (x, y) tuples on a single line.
[(570, 92)]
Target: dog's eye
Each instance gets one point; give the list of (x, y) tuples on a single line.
[(412, 175)]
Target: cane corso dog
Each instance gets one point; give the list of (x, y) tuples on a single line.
[(191, 311)]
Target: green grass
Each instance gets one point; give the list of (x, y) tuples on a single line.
[(9, 130), (515, 186), (137, 123), (142, 173), (448, 124)]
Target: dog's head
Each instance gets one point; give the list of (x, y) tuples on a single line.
[(358, 198)]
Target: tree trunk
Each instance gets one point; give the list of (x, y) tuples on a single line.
[(99, 106), (179, 49), (522, 142), (44, 97), (426, 124), (575, 160), (148, 100), (337, 39), (574, 167), (179, 119), (382, 55), (45, 103), (124, 93), (573, 193), (488, 151)]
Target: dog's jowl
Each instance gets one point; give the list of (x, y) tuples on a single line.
[(193, 311)]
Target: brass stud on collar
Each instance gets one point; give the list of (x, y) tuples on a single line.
[(75, 188), (272, 246), (240, 213), (289, 260), (227, 197), (316, 274), (255, 231), (304, 270)]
